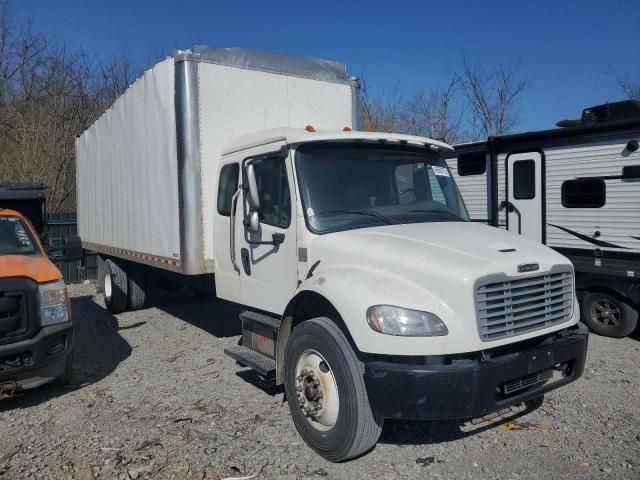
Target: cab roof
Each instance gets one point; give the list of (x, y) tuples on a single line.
[(296, 136)]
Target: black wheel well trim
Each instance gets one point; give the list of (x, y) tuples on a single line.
[(614, 292), (306, 305)]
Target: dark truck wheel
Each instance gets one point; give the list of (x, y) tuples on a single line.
[(607, 315), (137, 287), (326, 392), (115, 287)]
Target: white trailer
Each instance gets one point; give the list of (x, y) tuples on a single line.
[(369, 294), (574, 189)]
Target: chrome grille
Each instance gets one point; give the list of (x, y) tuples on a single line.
[(516, 306)]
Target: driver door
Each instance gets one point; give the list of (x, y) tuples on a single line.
[(269, 274)]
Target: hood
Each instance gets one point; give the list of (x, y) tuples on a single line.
[(462, 249), (432, 267), (36, 267)]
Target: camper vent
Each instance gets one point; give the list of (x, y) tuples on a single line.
[(515, 306)]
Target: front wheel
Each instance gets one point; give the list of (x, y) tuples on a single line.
[(607, 315), (326, 392)]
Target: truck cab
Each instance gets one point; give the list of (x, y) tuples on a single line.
[(36, 327), (373, 292)]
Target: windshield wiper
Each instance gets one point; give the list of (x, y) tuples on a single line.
[(369, 213), (437, 210)]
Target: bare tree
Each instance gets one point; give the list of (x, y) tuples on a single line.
[(630, 87), (48, 95), (492, 97), (474, 104), (434, 113), (383, 113)]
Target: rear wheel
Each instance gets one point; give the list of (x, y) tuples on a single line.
[(115, 287), (607, 315), (326, 392), (137, 287)]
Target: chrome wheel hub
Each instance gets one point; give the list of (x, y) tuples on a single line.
[(108, 288), (316, 390), (605, 313)]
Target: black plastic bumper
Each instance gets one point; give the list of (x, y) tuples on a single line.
[(472, 388), (38, 360)]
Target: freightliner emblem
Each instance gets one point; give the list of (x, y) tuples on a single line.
[(528, 267)]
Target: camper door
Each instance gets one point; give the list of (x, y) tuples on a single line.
[(524, 195)]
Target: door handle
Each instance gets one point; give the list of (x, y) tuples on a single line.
[(511, 208), (246, 264), (232, 231)]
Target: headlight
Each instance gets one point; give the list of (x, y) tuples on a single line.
[(53, 303), (402, 321)]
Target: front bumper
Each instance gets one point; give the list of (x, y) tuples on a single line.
[(474, 387), (38, 360)]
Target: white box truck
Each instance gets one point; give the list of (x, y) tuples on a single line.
[(369, 294)]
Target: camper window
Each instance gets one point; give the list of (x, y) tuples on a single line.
[(474, 163), (524, 179), (584, 193)]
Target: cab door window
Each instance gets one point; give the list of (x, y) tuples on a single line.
[(273, 188), (227, 187)]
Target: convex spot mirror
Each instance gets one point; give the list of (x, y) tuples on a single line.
[(252, 222)]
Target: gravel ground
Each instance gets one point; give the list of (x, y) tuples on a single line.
[(157, 398)]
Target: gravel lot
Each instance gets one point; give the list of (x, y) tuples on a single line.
[(157, 398)]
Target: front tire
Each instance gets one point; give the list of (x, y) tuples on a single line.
[(607, 315), (326, 392), (115, 287)]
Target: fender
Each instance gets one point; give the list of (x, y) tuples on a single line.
[(628, 288), (350, 291)]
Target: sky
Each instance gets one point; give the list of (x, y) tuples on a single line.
[(569, 51)]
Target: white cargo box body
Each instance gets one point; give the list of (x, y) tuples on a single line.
[(146, 169)]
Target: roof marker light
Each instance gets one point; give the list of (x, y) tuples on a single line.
[(346, 129), (310, 128)]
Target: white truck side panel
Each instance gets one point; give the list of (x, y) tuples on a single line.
[(127, 171), (618, 220), (235, 101)]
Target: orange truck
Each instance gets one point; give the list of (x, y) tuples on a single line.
[(36, 328)]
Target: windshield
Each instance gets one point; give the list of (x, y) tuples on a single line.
[(15, 238), (345, 187)]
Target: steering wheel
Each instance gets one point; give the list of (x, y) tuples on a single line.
[(397, 196)]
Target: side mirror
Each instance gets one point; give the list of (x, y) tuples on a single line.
[(252, 222), (252, 190)]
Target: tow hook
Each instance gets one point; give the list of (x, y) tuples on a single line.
[(7, 389)]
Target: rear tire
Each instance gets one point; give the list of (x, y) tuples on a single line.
[(318, 358), (607, 315), (115, 287), (137, 294), (99, 274)]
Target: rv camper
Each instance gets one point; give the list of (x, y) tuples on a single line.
[(575, 189)]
